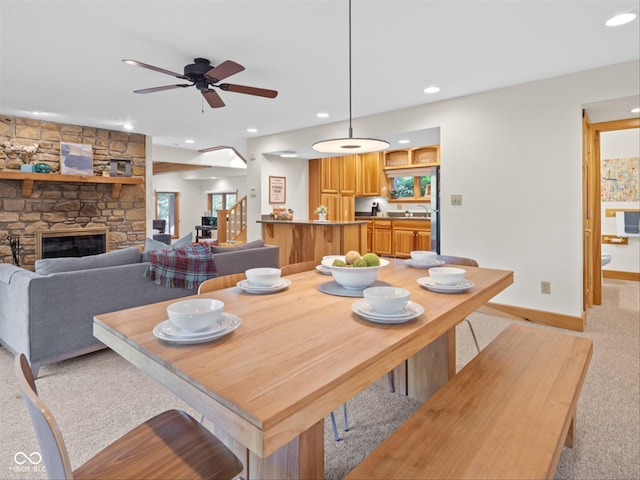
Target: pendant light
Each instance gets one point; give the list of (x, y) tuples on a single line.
[(350, 144)]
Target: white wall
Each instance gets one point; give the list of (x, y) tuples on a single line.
[(620, 144), (515, 156), (193, 192)]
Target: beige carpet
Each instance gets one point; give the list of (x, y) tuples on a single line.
[(98, 397)]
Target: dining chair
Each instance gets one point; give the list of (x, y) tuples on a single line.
[(169, 445), (462, 261), (303, 267), (218, 283)]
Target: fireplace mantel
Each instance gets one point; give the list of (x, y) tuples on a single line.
[(28, 180)]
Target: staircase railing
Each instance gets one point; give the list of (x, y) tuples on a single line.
[(232, 223)]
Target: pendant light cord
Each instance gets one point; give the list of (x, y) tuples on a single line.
[(350, 127)]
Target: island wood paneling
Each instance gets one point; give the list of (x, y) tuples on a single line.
[(304, 241)]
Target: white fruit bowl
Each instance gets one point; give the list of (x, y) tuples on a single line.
[(354, 277), (195, 314)]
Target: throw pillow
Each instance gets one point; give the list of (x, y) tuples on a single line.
[(245, 246), (124, 256), (151, 244)]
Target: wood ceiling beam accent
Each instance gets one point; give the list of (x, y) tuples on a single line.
[(223, 147), (168, 167)]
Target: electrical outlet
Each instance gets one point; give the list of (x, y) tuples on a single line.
[(398, 207), (545, 287), (456, 199)]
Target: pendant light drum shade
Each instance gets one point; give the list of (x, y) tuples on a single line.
[(350, 144)]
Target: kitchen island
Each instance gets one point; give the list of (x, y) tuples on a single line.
[(303, 240)]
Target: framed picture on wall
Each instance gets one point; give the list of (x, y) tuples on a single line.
[(76, 159), (277, 189)]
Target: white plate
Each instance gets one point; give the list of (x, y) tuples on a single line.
[(170, 330), (279, 285), (429, 284), (323, 270), (411, 311), (234, 322), (413, 264)]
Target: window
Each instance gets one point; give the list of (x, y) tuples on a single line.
[(221, 201), (167, 209), (410, 187)]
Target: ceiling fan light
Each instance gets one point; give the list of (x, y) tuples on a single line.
[(350, 145)]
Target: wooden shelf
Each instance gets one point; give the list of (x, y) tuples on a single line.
[(28, 180)]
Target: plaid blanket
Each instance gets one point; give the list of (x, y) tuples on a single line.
[(184, 267)]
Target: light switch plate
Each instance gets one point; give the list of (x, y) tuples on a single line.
[(456, 199)]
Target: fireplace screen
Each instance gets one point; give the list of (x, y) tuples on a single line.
[(71, 243)]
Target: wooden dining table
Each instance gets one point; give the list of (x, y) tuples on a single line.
[(298, 354)]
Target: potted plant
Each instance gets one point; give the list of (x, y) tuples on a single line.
[(394, 193), (322, 213)]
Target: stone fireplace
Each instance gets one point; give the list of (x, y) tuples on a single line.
[(59, 206), (71, 243)]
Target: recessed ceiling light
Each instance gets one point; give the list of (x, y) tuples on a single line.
[(288, 154), (188, 140), (635, 110), (404, 141), (127, 126), (432, 89), (322, 115), (620, 19), (252, 130)]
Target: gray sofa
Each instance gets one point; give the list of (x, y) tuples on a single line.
[(48, 315)]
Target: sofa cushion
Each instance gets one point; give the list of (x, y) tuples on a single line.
[(245, 246), (124, 256), (151, 244)]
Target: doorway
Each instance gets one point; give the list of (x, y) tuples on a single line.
[(592, 194)]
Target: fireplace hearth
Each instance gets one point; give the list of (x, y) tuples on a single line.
[(71, 243)]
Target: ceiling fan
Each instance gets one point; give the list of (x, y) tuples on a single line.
[(205, 78)]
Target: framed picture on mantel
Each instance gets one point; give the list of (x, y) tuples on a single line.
[(277, 189)]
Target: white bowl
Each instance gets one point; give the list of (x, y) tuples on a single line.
[(195, 314), (386, 300), (263, 276), (354, 277), (447, 275), (424, 257)]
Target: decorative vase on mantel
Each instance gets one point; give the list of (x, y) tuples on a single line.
[(27, 168)]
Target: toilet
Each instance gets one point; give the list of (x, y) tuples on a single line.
[(606, 259)]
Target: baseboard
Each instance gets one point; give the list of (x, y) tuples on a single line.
[(634, 276), (536, 316)]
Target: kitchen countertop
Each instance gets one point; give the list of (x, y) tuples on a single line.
[(369, 217), (313, 222)]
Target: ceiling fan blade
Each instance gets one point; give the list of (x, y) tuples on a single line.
[(213, 99), (224, 70), (155, 69), (159, 89), (260, 92)]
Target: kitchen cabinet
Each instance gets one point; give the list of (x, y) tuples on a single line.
[(348, 176), (340, 207), (410, 235), (369, 174), (412, 157), (370, 236), (382, 237), (330, 173)]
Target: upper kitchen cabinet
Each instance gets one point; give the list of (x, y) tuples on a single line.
[(369, 174), (348, 174), (413, 157), (330, 174)]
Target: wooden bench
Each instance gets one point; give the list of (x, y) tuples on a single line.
[(507, 414)]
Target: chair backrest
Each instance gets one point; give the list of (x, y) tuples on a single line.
[(159, 225), (53, 450), (218, 283), (469, 262), (297, 267)]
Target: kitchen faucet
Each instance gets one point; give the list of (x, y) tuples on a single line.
[(426, 210)]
